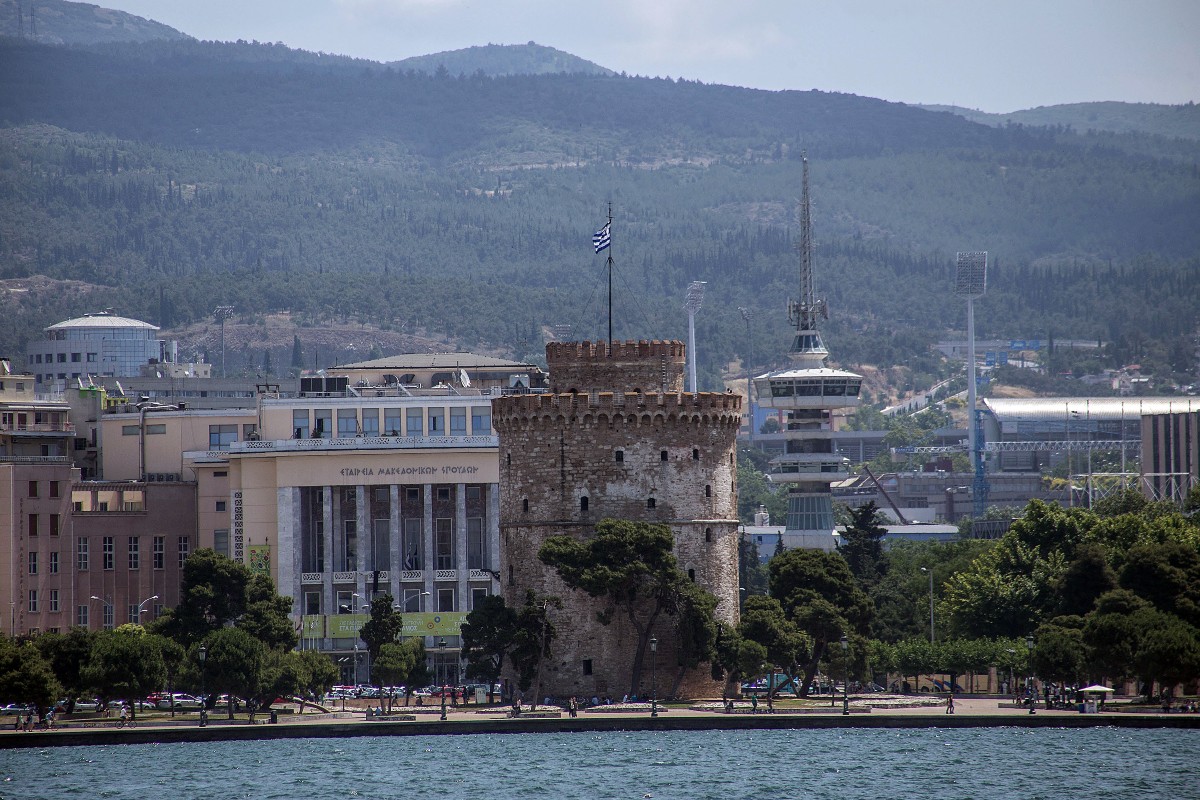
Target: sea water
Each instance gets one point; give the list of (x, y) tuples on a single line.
[(847, 764)]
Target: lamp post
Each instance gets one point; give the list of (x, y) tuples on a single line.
[(107, 604), (845, 677), (442, 648), (203, 700), (1032, 693), (930, 572), (356, 666), (653, 677), (141, 607)]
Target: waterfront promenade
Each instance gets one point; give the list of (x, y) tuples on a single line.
[(969, 713)]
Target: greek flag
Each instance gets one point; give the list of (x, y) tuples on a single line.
[(600, 239)]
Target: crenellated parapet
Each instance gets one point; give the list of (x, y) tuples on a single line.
[(636, 365), (712, 408)]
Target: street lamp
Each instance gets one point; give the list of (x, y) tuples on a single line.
[(931, 636), (442, 648), (653, 677), (845, 677), (1032, 693), (107, 604), (203, 700), (141, 607), (356, 666)]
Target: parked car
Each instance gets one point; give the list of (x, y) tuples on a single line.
[(181, 701), (14, 708), (91, 704)]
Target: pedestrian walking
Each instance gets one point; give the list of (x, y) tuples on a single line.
[(950, 703)]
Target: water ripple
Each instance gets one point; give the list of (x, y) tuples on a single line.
[(949, 764)]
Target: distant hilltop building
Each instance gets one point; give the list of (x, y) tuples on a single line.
[(617, 437), (100, 345)]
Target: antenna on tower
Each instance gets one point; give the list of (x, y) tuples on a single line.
[(806, 312), (695, 299)]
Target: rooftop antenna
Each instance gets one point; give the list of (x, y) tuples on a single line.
[(695, 299), (805, 314), (970, 281), (223, 313)]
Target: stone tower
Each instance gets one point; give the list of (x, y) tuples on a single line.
[(617, 437)]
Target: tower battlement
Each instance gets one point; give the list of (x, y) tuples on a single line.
[(710, 404), (631, 365)]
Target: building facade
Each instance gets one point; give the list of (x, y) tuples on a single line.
[(81, 553), (1170, 455), (617, 437), (33, 424)]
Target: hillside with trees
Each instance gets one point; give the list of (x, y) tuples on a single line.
[(163, 179)]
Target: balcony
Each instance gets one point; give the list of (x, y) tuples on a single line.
[(362, 443), (406, 576), (8, 459), (39, 429)]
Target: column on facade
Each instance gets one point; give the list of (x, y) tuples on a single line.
[(462, 589), (290, 552), (430, 553), (362, 538), (492, 525), (394, 537), (327, 599)]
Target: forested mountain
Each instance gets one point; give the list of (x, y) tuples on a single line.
[(171, 177), (1171, 122), (62, 22), (495, 60)]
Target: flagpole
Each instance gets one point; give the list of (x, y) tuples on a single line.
[(610, 267)]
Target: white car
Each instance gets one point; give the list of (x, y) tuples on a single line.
[(181, 701)]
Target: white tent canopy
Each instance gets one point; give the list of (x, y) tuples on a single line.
[(1096, 688)]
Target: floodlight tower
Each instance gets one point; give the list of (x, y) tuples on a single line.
[(223, 313), (971, 282), (807, 393), (695, 298), (748, 315)]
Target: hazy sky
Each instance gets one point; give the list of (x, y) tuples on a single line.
[(996, 55)]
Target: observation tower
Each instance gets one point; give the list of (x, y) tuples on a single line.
[(808, 393)]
